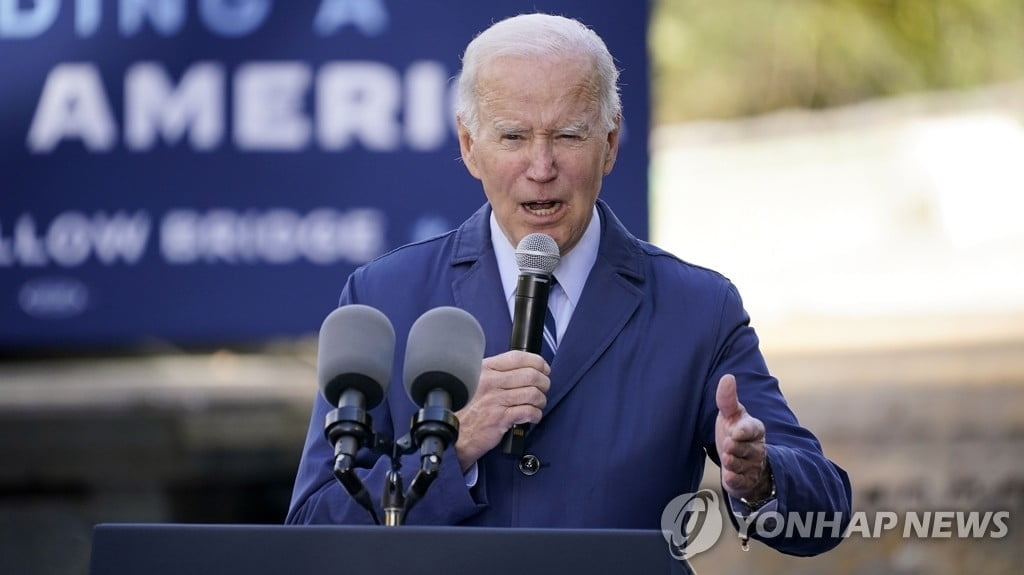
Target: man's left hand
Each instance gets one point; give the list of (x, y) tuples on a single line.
[(739, 438)]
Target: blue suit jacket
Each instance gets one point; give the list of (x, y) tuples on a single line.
[(631, 410)]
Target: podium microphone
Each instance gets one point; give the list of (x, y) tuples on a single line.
[(537, 257), (354, 358), (443, 359)]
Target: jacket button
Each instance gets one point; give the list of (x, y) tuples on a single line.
[(529, 464)]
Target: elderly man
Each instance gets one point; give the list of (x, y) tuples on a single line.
[(656, 364)]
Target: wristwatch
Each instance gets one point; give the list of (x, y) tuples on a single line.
[(759, 503)]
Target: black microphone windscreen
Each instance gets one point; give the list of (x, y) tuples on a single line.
[(356, 350), (537, 253), (445, 350)]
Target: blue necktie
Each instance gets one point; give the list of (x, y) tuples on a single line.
[(550, 344)]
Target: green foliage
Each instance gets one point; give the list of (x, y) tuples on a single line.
[(745, 57)]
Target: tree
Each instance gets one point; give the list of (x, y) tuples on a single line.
[(748, 57)]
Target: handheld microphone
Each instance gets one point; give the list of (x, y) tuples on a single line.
[(537, 256), (354, 358)]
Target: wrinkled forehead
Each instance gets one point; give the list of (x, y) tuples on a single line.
[(555, 83)]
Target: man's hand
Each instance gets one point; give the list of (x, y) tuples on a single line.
[(513, 389), (739, 438)]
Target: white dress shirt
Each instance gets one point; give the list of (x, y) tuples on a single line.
[(572, 271)]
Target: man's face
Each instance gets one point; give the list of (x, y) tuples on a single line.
[(539, 151)]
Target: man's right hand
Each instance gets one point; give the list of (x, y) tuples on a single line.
[(513, 389)]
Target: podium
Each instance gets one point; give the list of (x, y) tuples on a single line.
[(165, 549)]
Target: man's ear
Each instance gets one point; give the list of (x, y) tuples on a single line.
[(466, 144)]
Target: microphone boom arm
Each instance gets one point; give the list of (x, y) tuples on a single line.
[(348, 428)]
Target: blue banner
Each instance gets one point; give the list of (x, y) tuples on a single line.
[(209, 172)]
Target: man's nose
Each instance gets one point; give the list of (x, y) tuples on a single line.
[(542, 161)]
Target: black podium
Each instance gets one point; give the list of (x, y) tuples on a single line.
[(164, 549)]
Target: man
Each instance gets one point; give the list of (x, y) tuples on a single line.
[(653, 354)]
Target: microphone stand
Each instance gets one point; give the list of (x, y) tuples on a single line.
[(432, 429), (393, 501), (348, 428)]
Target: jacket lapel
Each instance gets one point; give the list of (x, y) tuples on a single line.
[(479, 289), (610, 297)]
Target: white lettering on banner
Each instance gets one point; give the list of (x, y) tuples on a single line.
[(358, 99), (73, 106), (166, 16), (32, 19), (155, 108), (360, 102), (234, 18), (323, 236), (369, 16), (268, 106), (227, 18), (88, 14), (73, 237), (425, 95), (279, 236), (29, 21), (53, 297)]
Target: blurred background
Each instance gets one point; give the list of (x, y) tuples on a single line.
[(856, 167)]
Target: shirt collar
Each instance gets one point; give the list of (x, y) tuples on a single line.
[(573, 268)]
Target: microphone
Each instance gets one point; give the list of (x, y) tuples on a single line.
[(537, 256), (354, 358), (443, 360)]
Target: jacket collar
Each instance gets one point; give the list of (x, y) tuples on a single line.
[(619, 249)]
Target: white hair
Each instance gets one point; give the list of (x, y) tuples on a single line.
[(538, 35)]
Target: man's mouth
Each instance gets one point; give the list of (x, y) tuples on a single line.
[(542, 208)]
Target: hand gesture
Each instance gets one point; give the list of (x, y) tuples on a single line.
[(739, 438), (513, 389)]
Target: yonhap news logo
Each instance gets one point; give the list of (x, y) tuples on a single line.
[(692, 523)]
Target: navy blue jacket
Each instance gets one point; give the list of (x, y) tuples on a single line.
[(631, 411)]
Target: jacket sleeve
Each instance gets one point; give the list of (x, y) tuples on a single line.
[(806, 482)]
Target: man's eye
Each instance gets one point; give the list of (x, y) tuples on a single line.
[(512, 137)]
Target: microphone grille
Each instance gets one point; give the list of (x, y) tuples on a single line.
[(537, 253), (356, 350), (445, 350)]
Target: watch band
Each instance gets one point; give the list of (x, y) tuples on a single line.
[(759, 503)]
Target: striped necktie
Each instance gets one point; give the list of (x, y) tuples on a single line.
[(550, 344)]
